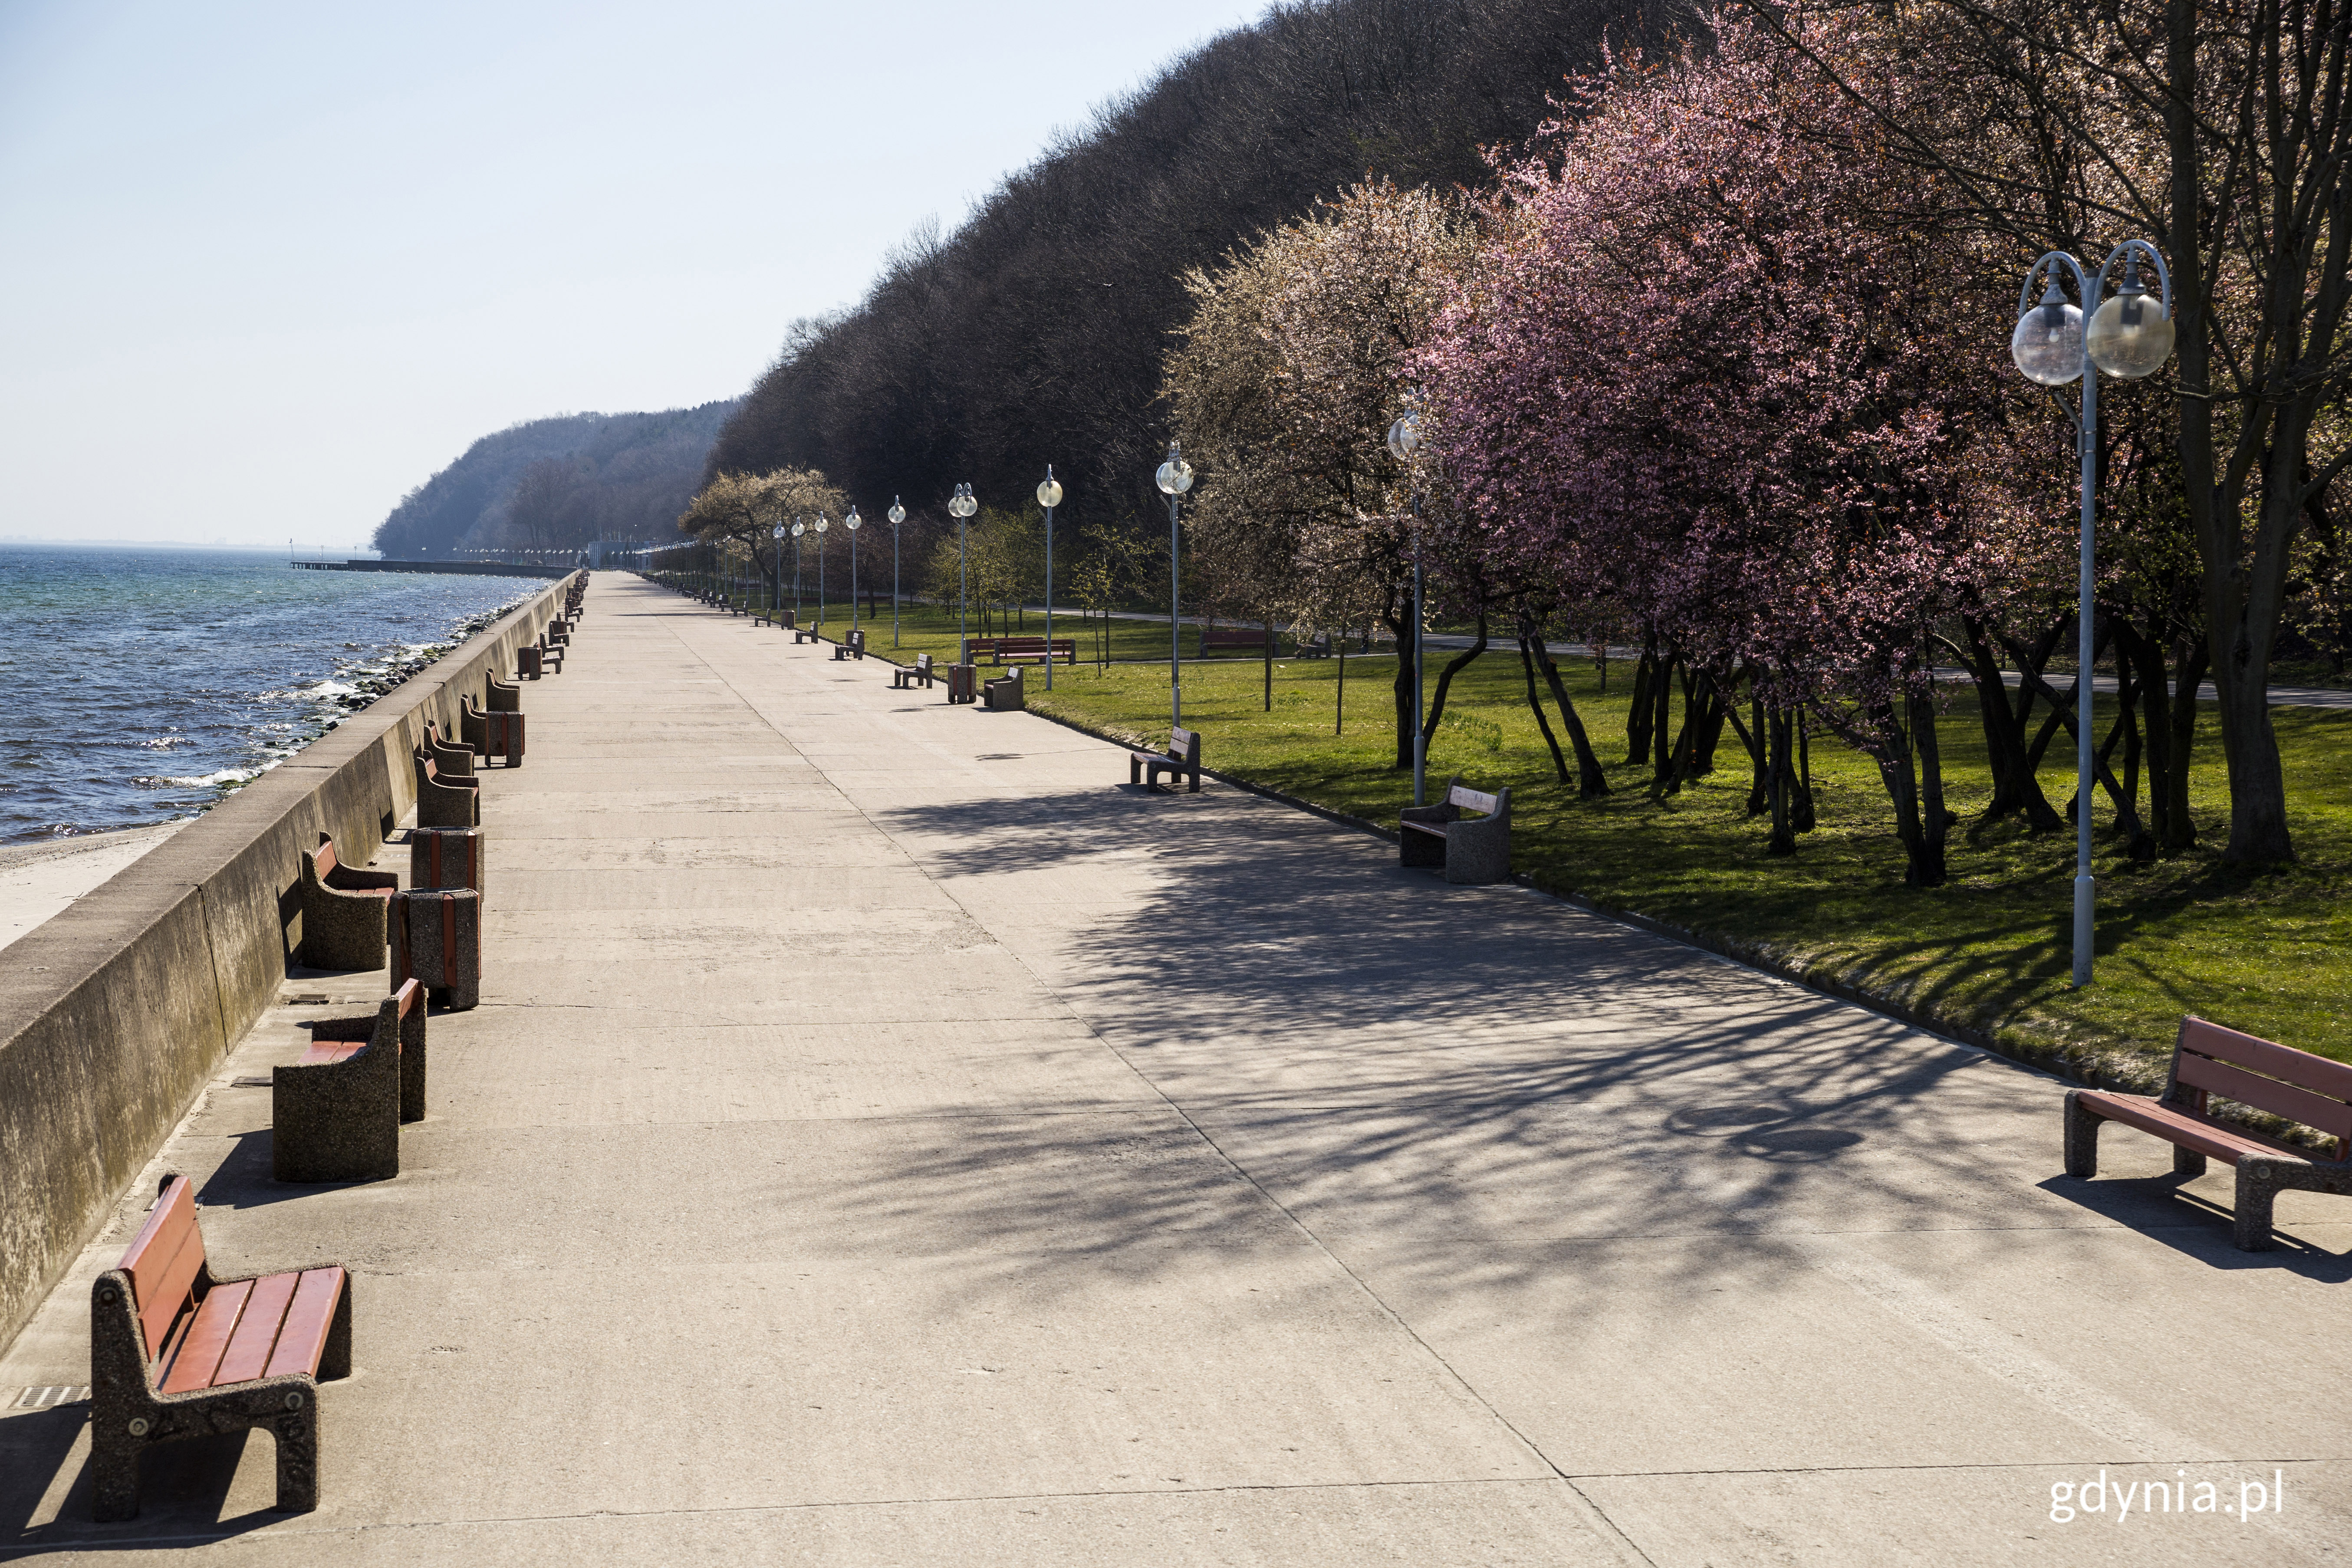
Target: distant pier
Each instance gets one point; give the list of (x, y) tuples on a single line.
[(445, 568)]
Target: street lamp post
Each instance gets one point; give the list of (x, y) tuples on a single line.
[(960, 507), (823, 523), (1404, 440), (1174, 477), (776, 577), (799, 528), (898, 515), (1049, 496), (2054, 344), (852, 522)]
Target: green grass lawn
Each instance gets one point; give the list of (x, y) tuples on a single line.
[(931, 629), (1989, 951)]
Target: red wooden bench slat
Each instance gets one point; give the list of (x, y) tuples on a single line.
[(326, 854), (2265, 1094), (256, 1331), (200, 1352), (162, 1261), (2196, 1133), (327, 1053), (303, 1340), (2302, 1068)]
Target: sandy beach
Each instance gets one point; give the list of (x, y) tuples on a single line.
[(37, 880)]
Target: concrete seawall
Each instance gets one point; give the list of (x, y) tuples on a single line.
[(113, 1015)]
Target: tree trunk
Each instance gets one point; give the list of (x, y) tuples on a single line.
[(1662, 713), (1779, 781), (2127, 823), (1936, 822), (1400, 627), (1637, 716), (1760, 786), (1535, 706), (1803, 816), (2145, 656), (1269, 663), (1339, 702), (2015, 789), (1592, 783), (1883, 739), (1446, 680)]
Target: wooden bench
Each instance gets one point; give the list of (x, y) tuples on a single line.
[(445, 802), (490, 734), (455, 758), (2209, 1060), (805, 634), (175, 1353), (550, 653), (1006, 694), (851, 647), (908, 676), (783, 618), (1182, 757), (1468, 849), (445, 857), (342, 910), (437, 939), (1021, 651), (335, 1115), (1231, 636)]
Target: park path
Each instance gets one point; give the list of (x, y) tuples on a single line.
[(887, 1138)]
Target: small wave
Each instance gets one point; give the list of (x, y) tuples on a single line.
[(162, 743), (203, 781)]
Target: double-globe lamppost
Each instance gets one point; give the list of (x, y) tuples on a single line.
[(799, 528), (2129, 336), (776, 577), (1174, 477), (1404, 440), (961, 505), (1049, 496), (823, 523), (852, 522), (897, 514)]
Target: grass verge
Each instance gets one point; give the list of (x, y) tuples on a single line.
[(1985, 955)]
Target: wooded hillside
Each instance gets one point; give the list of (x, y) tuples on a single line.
[(1035, 333), (548, 483)]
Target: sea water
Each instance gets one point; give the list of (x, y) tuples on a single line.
[(145, 683)]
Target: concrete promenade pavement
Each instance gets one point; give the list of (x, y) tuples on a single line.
[(887, 1138)]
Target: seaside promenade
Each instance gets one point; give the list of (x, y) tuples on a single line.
[(887, 1138)]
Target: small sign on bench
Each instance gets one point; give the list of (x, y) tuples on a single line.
[(1467, 849)]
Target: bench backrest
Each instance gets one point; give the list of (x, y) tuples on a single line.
[(2297, 1085), (427, 769), (164, 1261), (1472, 800), (323, 857), (922, 662), (1185, 743)]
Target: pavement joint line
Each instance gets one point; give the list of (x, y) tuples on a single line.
[(753, 1510)]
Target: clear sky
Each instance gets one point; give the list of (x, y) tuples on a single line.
[(266, 267)]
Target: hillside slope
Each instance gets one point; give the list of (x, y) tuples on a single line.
[(1035, 333), (598, 476)]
